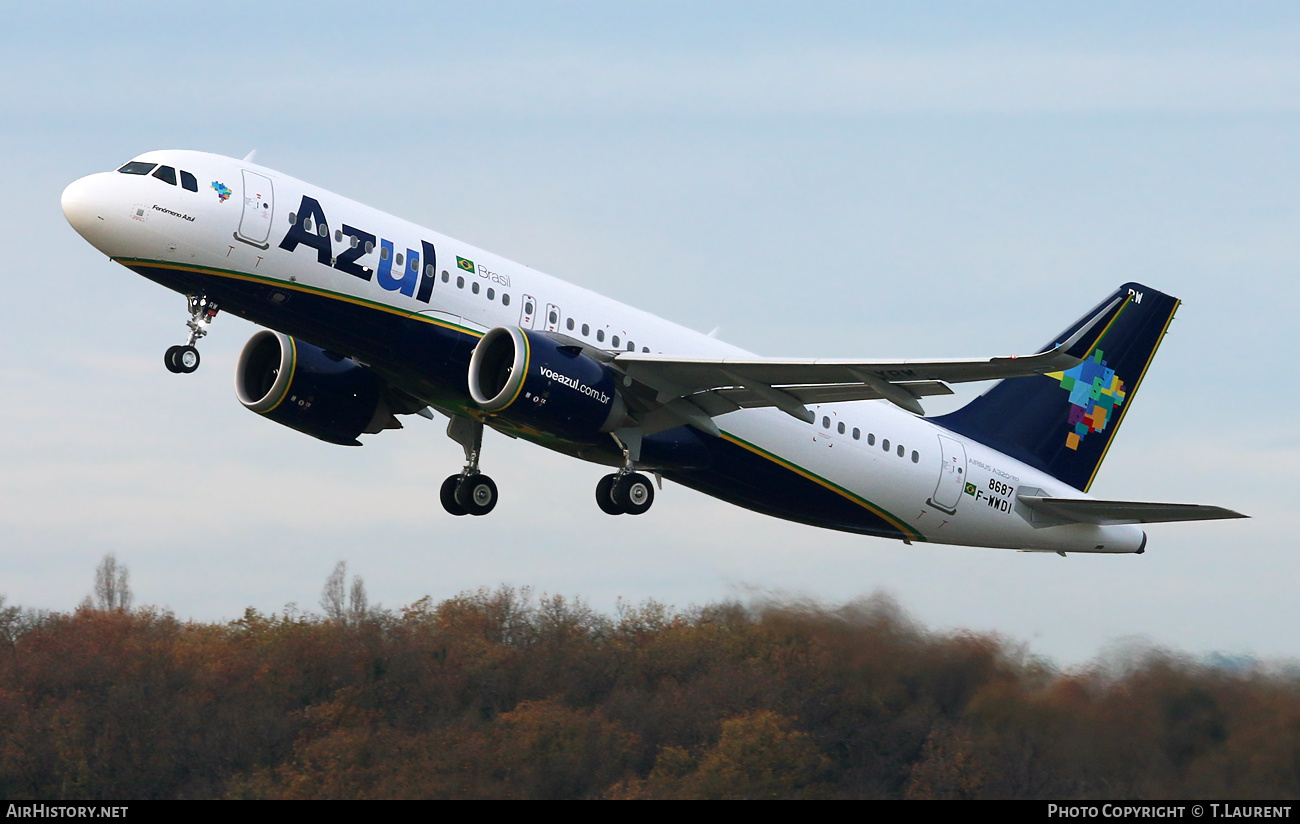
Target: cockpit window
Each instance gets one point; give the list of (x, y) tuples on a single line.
[(166, 174), (135, 167), (189, 182)]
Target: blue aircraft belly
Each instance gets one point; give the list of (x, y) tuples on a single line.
[(431, 360)]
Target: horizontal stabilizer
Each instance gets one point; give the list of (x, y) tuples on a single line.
[(1108, 513)]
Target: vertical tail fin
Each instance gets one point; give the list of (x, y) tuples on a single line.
[(1063, 422)]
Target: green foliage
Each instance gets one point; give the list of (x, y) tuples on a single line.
[(499, 693)]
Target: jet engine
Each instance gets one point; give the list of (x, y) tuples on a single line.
[(534, 379), (312, 390)]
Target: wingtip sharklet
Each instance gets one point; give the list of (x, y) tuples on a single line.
[(1090, 331), (1068, 354)]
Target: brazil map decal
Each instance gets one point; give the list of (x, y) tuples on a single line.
[(1095, 393)]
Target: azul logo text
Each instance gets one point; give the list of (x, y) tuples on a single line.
[(310, 228)]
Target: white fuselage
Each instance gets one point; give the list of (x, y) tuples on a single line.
[(932, 484)]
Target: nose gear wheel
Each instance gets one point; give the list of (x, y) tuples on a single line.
[(181, 360)]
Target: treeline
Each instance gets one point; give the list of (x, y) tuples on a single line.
[(500, 694)]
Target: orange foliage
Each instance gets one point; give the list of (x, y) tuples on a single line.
[(497, 693)]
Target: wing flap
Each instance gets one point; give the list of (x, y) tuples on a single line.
[(831, 393)]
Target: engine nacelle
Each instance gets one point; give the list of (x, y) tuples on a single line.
[(304, 387), (535, 380)]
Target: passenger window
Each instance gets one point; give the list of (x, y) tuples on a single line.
[(916, 456), (354, 241), (473, 287), (306, 223), (492, 293), (460, 282), (445, 277), (586, 331), (505, 298), (189, 182), (166, 174), (383, 253), (826, 422), (137, 168), (871, 439), (293, 218), (554, 318), (631, 347), (645, 349), (841, 427), (569, 324), (901, 450), (615, 341), (370, 247), (338, 235), (528, 308), (323, 230), (399, 258), (429, 271), (857, 434), (600, 334), (885, 444)]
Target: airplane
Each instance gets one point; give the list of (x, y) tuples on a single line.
[(367, 317)]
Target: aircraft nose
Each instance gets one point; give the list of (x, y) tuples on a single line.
[(84, 205), (78, 204)]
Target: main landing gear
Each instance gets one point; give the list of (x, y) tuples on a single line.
[(185, 359), (626, 492), (471, 492)]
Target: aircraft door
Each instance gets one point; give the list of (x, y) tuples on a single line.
[(259, 208), (552, 317), (528, 313), (952, 475)]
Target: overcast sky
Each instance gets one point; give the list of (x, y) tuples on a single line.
[(835, 180)]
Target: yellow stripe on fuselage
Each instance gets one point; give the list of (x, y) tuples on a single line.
[(892, 520), (297, 287)]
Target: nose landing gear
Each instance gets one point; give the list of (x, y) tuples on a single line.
[(185, 359), (181, 359)]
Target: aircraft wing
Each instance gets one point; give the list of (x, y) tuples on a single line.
[(1108, 513), (694, 389)]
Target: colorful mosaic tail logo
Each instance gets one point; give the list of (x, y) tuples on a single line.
[(1095, 393)]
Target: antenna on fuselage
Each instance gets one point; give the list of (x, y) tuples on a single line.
[(248, 158)]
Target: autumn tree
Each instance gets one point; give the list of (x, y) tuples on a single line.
[(341, 605), (112, 584)]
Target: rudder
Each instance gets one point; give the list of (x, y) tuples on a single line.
[(1063, 422)]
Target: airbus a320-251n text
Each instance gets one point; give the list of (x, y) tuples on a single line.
[(368, 317)]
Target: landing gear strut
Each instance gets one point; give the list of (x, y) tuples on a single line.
[(185, 359), (626, 492), (471, 492)]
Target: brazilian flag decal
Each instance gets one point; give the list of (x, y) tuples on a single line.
[(467, 265), (970, 489)]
